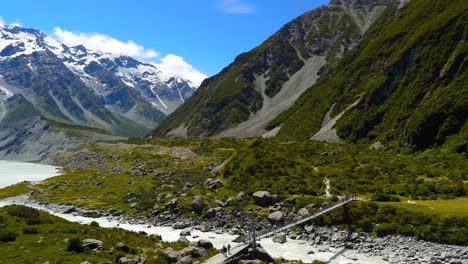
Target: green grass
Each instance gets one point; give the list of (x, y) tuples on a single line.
[(455, 207), (41, 237), (15, 190)]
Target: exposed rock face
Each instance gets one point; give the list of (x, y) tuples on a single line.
[(76, 88), (267, 80)]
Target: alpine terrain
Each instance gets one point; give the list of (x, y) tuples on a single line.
[(54, 96), (393, 71)]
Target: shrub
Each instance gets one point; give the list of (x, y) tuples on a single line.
[(8, 235), (29, 230), (75, 245)]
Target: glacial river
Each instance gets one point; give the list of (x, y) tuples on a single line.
[(15, 172), (12, 172)]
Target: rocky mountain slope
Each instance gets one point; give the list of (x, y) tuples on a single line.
[(42, 81), (245, 96), (393, 71), (406, 82)]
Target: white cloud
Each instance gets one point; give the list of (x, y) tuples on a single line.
[(104, 43), (175, 65), (236, 7), (170, 65), (2, 23)]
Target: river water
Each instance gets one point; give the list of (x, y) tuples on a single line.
[(12, 172), (15, 172)]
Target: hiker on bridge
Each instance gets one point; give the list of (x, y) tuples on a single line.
[(224, 251)]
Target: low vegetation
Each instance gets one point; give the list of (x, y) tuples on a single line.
[(31, 236)]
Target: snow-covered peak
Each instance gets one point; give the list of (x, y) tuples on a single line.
[(16, 41)]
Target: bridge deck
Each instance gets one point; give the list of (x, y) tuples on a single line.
[(221, 258)]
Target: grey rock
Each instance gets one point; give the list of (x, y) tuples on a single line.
[(206, 244), (240, 197), (263, 198), (183, 239), (173, 255), (280, 239), (185, 260), (136, 260), (179, 225), (198, 252), (276, 217), (185, 233), (92, 244), (303, 212), (122, 247)]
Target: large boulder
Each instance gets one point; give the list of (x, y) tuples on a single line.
[(206, 244), (275, 218), (198, 252), (93, 244), (197, 205), (173, 255), (264, 198)]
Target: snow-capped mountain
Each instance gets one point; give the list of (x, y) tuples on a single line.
[(165, 91), (43, 79)]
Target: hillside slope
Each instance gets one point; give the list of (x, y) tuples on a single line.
[(408, 76), (262, 83)]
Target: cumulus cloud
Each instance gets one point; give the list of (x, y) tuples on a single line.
[(104, 43), (236, 7), (176, 65)]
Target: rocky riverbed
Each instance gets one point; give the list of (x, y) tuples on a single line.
[(308, 241)]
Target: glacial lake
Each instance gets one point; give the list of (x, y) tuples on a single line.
[(12, 172)]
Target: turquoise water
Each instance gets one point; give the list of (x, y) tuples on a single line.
[(12, 172)]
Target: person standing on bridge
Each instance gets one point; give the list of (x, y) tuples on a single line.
[(229, 249)]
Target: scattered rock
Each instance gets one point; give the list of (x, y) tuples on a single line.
[(180, 225), (136, 260), (173, 255), (122, 247), (376, 146), (185, 233), (303, 212), (240, 197)]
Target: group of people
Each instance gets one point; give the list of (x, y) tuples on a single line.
[(226, 250)]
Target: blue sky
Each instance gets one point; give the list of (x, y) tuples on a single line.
[(207, 34)]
